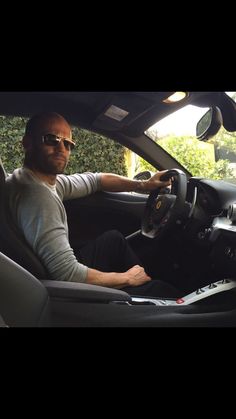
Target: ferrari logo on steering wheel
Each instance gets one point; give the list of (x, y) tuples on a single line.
[(158, 205)]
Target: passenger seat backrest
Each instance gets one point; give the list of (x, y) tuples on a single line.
[(12, 241)]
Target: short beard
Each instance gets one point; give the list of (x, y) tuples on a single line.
[(35, 160)]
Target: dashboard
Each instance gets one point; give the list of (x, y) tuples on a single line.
[(213, 196), (212, 221)]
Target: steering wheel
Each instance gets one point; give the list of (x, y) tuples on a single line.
[(163, 210)]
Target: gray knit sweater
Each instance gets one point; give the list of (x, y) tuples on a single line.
[(38, 210)]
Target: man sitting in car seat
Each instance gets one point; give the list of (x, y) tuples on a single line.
[(36, 193)]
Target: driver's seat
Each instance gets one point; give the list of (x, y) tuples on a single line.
[(12, 242), (15, 247)]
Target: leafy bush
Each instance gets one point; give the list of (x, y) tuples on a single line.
[(11, 133), (198, 158), (94, 152)]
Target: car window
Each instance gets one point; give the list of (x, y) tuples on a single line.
[(214, 159)]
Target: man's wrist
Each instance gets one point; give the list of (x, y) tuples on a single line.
[(140, 186)]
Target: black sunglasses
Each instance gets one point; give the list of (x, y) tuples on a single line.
[(53, 141)]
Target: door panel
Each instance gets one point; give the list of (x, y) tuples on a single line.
[(90, 216)]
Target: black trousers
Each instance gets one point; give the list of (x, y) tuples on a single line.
[(111, 252)]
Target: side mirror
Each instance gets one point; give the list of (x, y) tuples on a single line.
[(143, 175), (209, 124)]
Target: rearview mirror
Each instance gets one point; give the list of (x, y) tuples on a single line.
[(209, 124)]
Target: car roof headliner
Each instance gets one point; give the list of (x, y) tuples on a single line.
[(86, 109)]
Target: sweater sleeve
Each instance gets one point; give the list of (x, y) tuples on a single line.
[(42, 218), (78, 185)]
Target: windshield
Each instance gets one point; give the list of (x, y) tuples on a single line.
[(215, 159)]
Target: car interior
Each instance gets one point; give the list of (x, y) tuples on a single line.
[(192, 236)]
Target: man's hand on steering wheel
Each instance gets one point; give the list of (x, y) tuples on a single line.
[(155, 182)]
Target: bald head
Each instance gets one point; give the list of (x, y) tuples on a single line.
[(46, 122)]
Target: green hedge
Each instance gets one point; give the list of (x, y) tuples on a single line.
[(93, 152), (11, 133)]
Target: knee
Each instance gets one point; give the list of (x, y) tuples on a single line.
[(114, 235)]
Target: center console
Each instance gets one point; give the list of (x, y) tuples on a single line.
[(84, 293), (194, 297), (84, 305)]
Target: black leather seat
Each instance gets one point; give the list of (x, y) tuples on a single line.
[(2, 323), (12, 242), (24, 301)]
